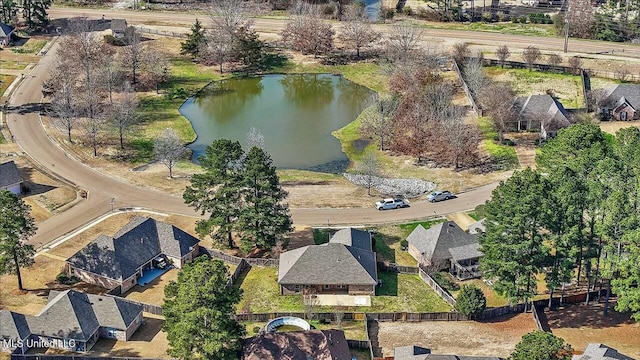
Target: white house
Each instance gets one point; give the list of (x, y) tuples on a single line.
[(10, 178)]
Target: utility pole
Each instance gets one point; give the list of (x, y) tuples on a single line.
[(566, 35)]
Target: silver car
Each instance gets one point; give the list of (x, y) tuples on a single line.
[(440, 196), (386, 204)]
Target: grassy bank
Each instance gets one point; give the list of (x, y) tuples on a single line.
[(501, 154), (546, 30), (363, 73)]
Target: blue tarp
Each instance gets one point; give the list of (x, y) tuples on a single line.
[(150, 274)]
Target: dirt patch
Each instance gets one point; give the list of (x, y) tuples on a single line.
[(612, 127), (580, 325), (300, 237), (497, 337), (462, 219), (152, 293)]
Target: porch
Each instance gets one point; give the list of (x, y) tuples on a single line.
[(465, 269), (337, 300)]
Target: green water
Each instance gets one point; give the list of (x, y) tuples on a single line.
[(295, 113)]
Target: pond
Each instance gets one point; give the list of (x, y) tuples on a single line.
[(295, 113)]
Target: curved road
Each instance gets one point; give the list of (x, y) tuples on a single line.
[(30, 135)]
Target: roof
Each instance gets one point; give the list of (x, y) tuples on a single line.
[(413, 352), (597, 351), (464, 252), (328, 264), (119, 24), (297, 345), (138, 242), (477, 227), (436, 243), (5, 30), (9, 174), (613, 96), (353, 237), (73, 315), (544, 108)]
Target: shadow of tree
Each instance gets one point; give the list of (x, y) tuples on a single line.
[(389, 286), (580, 315), (30, 187)]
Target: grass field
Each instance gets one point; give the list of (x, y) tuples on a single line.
[(501, 154), (546, 30), (5, 81), (31, 46)]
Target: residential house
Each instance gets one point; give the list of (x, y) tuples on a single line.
[(346, 265), (5, 34), (297, 345), (72, 321), (541, 112), (600, 352), (118, 27), (413, 352), (122, 259), (10, 178), (620, 102), (446, 246)]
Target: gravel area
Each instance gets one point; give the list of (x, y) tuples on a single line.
[(408, 188)]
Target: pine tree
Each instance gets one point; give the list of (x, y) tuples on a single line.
[(541, 345), (265, 218), (16, 226), (198, 310), (194, 41), (35, 13), (8, 11)]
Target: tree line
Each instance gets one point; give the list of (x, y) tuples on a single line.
[(573, 220), (34, 13), (93, 85)]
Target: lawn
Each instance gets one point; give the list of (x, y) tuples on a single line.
[(12, 65), (546, 30), (403, 292), (5, 81), (31, 46), (493, 298), (366, 74), (501, 154), (262, 293)]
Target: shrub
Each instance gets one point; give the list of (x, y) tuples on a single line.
[(541, 345), (404, 244), (479, 210), (522, 19), (508, 142), (387, 13), (470, 301), (408, 11), (443, 279), (65, 279), (112, 40), (328, 10), (514, 20), (256, 329)]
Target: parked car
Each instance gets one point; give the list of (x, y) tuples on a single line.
[(386, 204), (440, 196)]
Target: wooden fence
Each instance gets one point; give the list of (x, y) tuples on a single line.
[(397, 268), (467, 92), (149, 308), (217, 254), (536, 317), (146, 30), (437, 288), (238, 272)]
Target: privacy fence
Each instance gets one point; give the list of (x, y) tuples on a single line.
[(467, 92)]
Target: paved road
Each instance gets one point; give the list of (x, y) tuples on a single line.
[(276, 25)]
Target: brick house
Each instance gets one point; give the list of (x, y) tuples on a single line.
[(620, 102), (541, 112), (122, 259), (72, 321), (346, 265)]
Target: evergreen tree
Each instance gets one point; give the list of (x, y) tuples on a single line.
[(217, 190), (265, 218), (35, 13), (8, 11), (470, 301), (198, 311), (16, 226), (194, 41), (513, 244), (625, 284), (541, 345)]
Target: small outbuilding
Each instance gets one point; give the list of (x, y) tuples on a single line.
[(118, 27)]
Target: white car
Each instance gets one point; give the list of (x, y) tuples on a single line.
[(386, 204), (440, 196)]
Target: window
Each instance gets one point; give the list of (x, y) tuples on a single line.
[(342, 286), (327, 286), (623, 115), (111, 333), (296, 287)]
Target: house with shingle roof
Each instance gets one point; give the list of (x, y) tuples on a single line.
[(10, 178), (122, 259), (595, 351), (446, 246), (620, 102), (5, 34), (118, 27), (414, 352), (542, 112), (346, 265), (297, 345), (72, 321)]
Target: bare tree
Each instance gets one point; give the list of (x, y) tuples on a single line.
[(123, 114), (474, 75), (308, 34), (369, 168), (622, 74), (462, 139), (358, 33), (581, 18), (460, 51), (530, 55), (554, 60), (575, 63), (497, 99), (311, 304), (111, 77), (64, 106), (404, 41), (133, 55), (338, 313), (218, 48), (378, 121), (255, 138), (83, 48), (157, 67), (503, 54), (168, 149), (93, 126)]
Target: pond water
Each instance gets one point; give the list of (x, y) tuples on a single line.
[(295, 113)]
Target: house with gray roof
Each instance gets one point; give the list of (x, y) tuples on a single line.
[(10, 178), (541, 112), (346, 265), (297, 345), (72, 321), (413, 352), (5, 34), (122, 259), (118, 27), (446, 246), (620, 102), (596, 351)]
